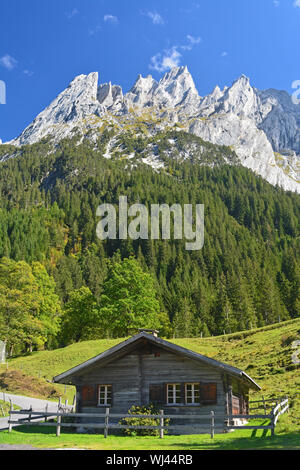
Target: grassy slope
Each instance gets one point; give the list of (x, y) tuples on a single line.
[(265, 354), (5, 407)]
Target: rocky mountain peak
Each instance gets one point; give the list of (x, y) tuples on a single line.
[(241, 98), (109, 95), (263, 127), (142, 91), (76, 102), (177, 82), (177, 88)]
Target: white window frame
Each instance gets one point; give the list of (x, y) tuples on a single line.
[(193, 402), (106, 387), (174, 396)]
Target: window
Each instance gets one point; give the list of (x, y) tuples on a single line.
[(173, 393), (104, 395), (192, 393)]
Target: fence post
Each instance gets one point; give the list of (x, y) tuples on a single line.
[(58, 426), (106, 422), (273, 422), (212, 432), (46, 411), (10, 417), (74, 404), (29, 414), (161, 424)]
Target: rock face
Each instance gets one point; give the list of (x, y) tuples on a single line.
[(263, 127), (77, 102)]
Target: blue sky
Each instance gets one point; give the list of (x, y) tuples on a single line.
[(44, 44)]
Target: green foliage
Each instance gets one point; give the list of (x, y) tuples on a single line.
[(143, 410), (29, 308), (128, 300), (246, 276), (82, 319)]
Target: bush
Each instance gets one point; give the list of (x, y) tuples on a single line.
[(143, 410), (287, 340)]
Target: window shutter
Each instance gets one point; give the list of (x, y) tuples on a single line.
[(88, 394), (157, 394), (208, 393)]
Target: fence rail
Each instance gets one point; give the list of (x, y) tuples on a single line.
[(211, 425)]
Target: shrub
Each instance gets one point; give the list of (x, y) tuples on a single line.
[(287, 340), (143, 410)]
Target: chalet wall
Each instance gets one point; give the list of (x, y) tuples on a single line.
[(132, 375)]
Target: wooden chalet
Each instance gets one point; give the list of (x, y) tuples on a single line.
[(147, 369)]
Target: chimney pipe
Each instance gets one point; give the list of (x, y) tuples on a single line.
[(149, 331)]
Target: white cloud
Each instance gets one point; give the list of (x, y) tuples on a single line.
[(72, 13), (167, 60), (192, 41), (8, 62), (297, 3), (155, 17), (111, 19), (29, 73), (224, 54), (276, 3), (93, 31), (171, 57)]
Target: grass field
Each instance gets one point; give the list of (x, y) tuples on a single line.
[(265, 354), (44, 437)]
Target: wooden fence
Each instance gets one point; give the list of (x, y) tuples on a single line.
[(106, 425)]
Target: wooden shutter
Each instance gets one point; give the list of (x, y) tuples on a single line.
[(208, 393), (88, 395), (157, 394)]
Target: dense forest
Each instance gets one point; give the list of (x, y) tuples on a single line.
[(247, 274)]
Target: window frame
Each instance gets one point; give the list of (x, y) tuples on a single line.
[(193, 402), (105, 404), (174, 385)]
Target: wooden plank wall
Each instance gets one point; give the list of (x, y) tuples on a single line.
[(132, 375)]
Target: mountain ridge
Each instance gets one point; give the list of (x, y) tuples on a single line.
[(262, 127)]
